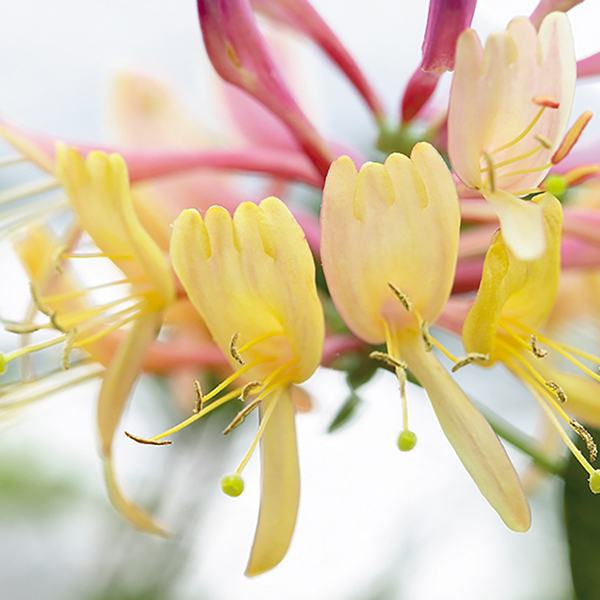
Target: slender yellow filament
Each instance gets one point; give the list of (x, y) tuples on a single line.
[(510, 161), (29, 349), (69, 320), (392, 347), (107, 330), (257, 340), (263, 424), (444, 350), (522, 134), (97, 255), (28, 189), (9, 161), (82, 292), (524, 171)]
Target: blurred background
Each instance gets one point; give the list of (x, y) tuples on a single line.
[(374, 523)]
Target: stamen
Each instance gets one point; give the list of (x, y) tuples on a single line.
[(388, 359), (257, 340), (233, 351), (107, 330), (524, 132), (444, 350), (72, 319), (199, 397), (472, 357), (524, 171), (58, 256), (560, 393), (259, 433), (43, 308), (28, 189), (586, 436), (98, 255), (426, 336), (9, 161), (82, 292), (403, 298), (34, 348), (539, 352), (249, 388), (544, 141), (141, 440), (239, 418), (490, 169), (232, 485), (25, 328), (509, 161), (571, 138), (66, 353)]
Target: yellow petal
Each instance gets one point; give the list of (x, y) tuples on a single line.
[(280, 489), (472, 438)]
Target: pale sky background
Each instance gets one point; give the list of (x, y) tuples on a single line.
[(371, 518)]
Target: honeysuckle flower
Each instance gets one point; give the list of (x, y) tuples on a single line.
[(509, 108), (389, 245), (239, 54), (513, 302), (252, 279)]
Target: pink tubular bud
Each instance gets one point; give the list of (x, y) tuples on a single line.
[(419, 89), (301, 16), (240, 56), (445, 22)]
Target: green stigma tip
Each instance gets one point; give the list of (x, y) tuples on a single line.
[(595, 481), (407, 440), (555, 184), (232, 485)]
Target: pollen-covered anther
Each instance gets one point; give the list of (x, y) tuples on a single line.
[(199, 397), (22, 328), (427, 339), (544, 141), (586, 436), (472, 357), (401, 297), (560, 393), (141, 440), (571, 138), (66, 352), (57, 258), (249, 388), (233, 349), (239, 418), (389, 359), (537, 351), (547, 101)]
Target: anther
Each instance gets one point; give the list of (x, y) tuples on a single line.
[(539, 352), (239, 418), (407, 440), (543, 140), (579, 174), (560, 393), (66, 353), (547, 101), (57, 258), (403, 298), (388, 359), (472, 357), (141, 440), (490, 167), (587, 438), (233, 350), (594, 482), (426, 336), (571, 138), (199, 397), (43, 308), (249, 388), (22, 328), (232, 485)]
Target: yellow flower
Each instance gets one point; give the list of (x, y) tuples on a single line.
[(97, 189), (509, 108), (389, 249), (513, 302), (252, 279)]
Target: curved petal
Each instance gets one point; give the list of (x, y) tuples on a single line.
[(280, 488)]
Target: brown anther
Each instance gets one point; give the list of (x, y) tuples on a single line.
[(490, 166), (22, 328), (43, 308), (388, 359), (233, 350), (586, 436), (401, 297), (539, 352), (544, 141), (141, 440), (56, 324), (547, 101), (560, 393), (66, 352), (199, 397), (572, 136), (239, 418), (249, 388), (426, 336), (472, 357), (579, 174)]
